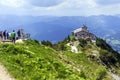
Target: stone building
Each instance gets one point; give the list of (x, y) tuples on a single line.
[(84, 33)]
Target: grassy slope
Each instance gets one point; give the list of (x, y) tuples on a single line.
[(31, 61)]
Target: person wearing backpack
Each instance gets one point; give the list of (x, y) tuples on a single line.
[(13, 36)]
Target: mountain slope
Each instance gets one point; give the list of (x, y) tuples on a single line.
[(33, 61)]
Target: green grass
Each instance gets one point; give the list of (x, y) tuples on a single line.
[(33, 61), (90, 69)]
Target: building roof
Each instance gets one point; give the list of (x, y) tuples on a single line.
[(80, 29), (77, 30)]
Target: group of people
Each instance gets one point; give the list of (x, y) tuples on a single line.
[(5, 35)]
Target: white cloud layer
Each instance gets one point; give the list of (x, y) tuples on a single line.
[(44, 3), (60, 7), (108, 2)]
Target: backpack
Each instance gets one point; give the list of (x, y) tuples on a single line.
[(13, 34)]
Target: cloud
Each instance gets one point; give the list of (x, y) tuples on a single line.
[(76, 7), (60, 7), (44, 3), (108, 2), (12, 3), (87, 7)]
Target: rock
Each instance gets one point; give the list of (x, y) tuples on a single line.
[(19, 41)]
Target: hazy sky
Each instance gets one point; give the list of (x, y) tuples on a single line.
[(59, 7)]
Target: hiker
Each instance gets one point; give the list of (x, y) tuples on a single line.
[(7, 35), (19, 34), (13, 36), (1, 35), (4, 35)]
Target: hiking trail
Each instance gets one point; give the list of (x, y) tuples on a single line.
[(4, 74), (114, 76)]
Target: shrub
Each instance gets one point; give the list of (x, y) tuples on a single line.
[(107, 58), (102, 44), (31, 42), (47, 43), (83, 42), (72, 38)]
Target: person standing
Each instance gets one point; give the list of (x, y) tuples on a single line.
[(19, 34), (4, 34), (13, 36), (7, 35), (1, 35)]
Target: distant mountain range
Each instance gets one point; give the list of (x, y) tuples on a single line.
[(54, 28)]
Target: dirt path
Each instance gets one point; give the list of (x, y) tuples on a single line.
[(3, 74), (73, 46), (115, 77)]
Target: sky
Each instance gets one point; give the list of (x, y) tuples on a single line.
[(59, 7)]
